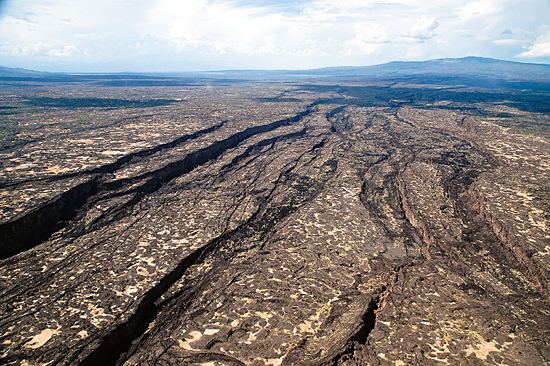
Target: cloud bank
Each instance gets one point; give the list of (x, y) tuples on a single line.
[(540, 49), (172, 35)]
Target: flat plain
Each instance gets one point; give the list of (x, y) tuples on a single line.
[(277, 218)]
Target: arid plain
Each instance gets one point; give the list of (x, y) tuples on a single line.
[(274, 219)]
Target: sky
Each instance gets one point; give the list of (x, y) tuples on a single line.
[(200, 35)]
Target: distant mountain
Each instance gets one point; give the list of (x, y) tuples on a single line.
[(17, 71), (468, 71), (463, 67)]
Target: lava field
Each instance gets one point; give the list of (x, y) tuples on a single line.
[(313, 221)]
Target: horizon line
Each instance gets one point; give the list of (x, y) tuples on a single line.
[(21, 70)]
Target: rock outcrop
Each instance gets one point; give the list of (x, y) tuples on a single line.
[(273, 224)]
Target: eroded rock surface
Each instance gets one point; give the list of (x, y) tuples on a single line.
[(272, 224)]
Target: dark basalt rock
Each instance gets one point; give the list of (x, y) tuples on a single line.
[(337, 225)]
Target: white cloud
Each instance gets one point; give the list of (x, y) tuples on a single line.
[(423, 29), (371, 33), (507, 42), (244, 33), (370, 36), (217, 28), (478, 9), (39, 49), (66, 51), (541, 48)]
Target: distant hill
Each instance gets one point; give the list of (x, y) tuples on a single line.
[(17, 71), (468, 71), (467, 66), (477, 72)]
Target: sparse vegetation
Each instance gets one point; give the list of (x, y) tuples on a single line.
[(225, 219)]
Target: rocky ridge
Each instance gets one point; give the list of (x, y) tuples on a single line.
[(274, 224)]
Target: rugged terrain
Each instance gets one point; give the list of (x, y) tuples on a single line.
[(289, 220)]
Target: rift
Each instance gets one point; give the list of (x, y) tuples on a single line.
[(330, 217)]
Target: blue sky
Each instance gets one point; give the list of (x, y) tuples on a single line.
[(190, 35)]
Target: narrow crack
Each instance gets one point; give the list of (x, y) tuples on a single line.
[(37, 226), (359, 338), (116, 344)]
